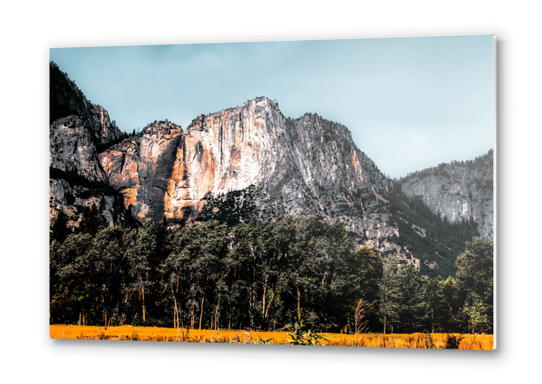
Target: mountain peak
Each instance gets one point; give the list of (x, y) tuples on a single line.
[(261, 100), (161, 127), (65, 97)]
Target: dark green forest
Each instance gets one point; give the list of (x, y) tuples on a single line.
[(443, 240), (257, 276)]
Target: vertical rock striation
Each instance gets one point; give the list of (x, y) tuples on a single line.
[(251, 162), (72, 148), (141, 168)]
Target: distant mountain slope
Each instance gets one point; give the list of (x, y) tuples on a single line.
[(458, 192)]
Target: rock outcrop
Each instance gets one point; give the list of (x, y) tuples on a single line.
[(72, 198), (65, 97), (458, 192), (72, 148)]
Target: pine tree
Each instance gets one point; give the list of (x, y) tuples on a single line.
[(389, 293), (90, 222), (366, 270), (476, 313), (59, 231), (413, 306), (475, 274)]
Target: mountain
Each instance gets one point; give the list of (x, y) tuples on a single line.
[(247, 163), (458, 192), (241, 164)]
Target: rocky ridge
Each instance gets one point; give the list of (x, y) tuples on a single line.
[(266, 163), (458, 192)]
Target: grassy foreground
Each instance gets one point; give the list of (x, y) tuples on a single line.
[(415, 340)]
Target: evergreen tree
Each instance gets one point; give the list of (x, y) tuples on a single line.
[(438, 306), (59, 231), (413, 307), (109, 270), (146, 249), (475, 274), (366, 268), (90, 222), (477, 314), (70, 281), (389, 294)]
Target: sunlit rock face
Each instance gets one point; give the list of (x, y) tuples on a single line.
[(223, 152), (141, 167), (458, 191), (251, 162), (242, 163)]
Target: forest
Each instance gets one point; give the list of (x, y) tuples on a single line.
[(260, 275)]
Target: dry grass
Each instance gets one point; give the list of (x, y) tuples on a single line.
[(415, 340)]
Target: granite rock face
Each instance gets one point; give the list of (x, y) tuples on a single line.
[(457, 191), (104, 131), (66, 99), (251, 162), (72, 148), (71, 198), (141, 169), (78, 130)]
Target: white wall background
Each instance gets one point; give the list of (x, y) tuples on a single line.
[(29, 29)]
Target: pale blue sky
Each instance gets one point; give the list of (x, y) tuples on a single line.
[(410, 103)]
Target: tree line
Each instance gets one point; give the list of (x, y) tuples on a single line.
[(259, 275), (442, 167)]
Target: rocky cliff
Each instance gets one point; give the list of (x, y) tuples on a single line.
[(141, 168), (66, 99), (251, 162), (78, 131), (458, 192)]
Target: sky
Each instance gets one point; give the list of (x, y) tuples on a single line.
[(410, 103)]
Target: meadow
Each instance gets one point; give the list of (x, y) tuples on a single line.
[(413, 340)]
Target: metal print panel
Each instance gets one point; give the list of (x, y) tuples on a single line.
[(187, 204)]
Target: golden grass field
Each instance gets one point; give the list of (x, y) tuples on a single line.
[(415, 340)]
